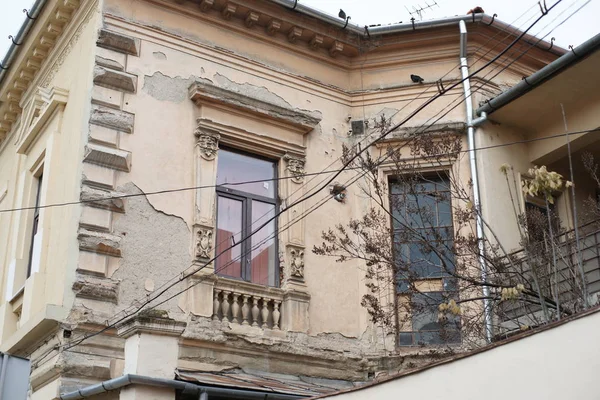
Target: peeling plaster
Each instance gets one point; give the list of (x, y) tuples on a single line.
[(155, 246), (159, 55), (165, 88), (258, 92)]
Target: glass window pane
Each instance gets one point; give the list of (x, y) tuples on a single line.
[(425, 311), (235, 167), (406, 338), (264, 257), (229, 227), (426, 323)]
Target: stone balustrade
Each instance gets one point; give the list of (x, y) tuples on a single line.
[(247, 304)]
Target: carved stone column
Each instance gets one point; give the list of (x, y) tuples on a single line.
[(293, 189), (207, 147), (199, 300)]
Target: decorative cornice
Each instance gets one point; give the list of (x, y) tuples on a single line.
[(37, 112), (153, 321), (40, 47), (268, 17), (202, 92)]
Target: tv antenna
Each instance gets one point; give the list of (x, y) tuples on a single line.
[(418, 10)]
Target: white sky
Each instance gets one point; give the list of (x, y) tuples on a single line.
[(576, 30)]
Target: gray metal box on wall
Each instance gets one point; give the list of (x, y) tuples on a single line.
[(14, 377)]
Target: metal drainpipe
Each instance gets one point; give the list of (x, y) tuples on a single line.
[(473, 162)]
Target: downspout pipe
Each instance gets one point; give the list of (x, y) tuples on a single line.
[(35, 11), (464, 68), (203, 392)]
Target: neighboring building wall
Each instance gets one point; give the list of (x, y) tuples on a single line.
[(532, 367), (47, 139)]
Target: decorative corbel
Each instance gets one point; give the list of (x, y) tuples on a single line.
[(206, 5), (296, 263), (336, 48), (204, 243), (273, 27), (316, 42), (294, 33), (207, 141), (296, 167), (228, 10), (251, 19)]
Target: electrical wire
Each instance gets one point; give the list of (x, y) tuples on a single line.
[(339, 171)]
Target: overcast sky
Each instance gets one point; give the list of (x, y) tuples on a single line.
[(576, 30)]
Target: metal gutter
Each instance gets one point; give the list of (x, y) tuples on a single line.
[(550, 70), (363, 31), (35, 11), (203, 392), (366, 31), (376, 30)]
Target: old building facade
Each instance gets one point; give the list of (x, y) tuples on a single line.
[(125, 129)]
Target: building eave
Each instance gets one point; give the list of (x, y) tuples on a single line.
[(551, 70)]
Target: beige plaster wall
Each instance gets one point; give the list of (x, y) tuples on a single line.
[(60, 145), (162, 143)]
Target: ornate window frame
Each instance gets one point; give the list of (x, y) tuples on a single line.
[(256, 126)]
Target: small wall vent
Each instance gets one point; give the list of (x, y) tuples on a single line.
[(358, 127)]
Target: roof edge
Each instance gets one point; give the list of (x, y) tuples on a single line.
[(294, 5), (566, 61), (32, 15)]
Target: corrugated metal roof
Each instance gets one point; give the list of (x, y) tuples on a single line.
[(266, 382)]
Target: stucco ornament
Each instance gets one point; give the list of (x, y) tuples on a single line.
[(204, 243), (208, 142), (296, 167), (297, 263)]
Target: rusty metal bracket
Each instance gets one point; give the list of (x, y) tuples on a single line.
[(493, 18), (573, 50), (11, 37), (543, 8), (28, 16), (347, 19), (440, 86)]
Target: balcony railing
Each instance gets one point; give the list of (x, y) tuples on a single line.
[(244, 303), (565, 279)]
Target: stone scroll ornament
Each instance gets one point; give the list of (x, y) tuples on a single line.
[(296, 167), (204, 243), (207, 142), (297, 263)]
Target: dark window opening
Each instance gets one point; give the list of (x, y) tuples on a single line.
[(424, 249), (241, 209), (33, 250)]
